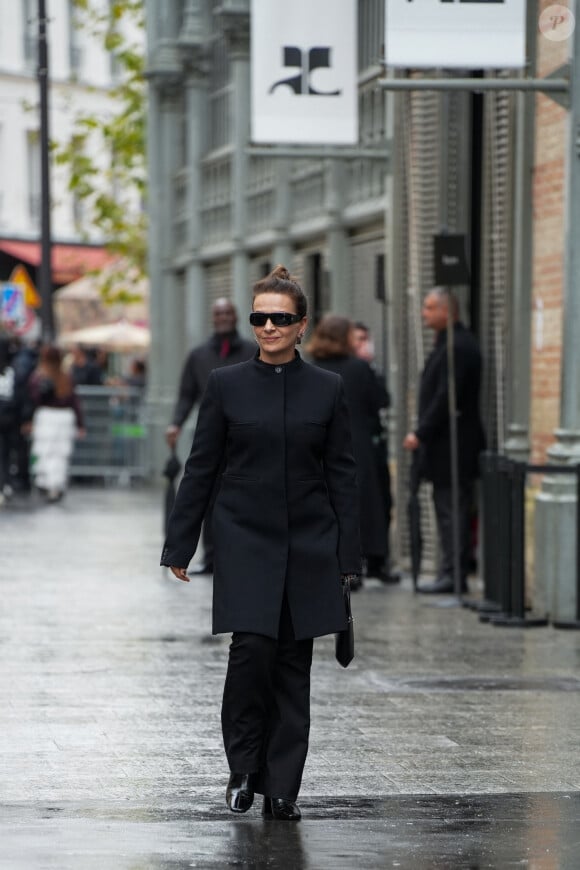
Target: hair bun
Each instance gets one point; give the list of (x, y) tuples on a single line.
[(280, 272)]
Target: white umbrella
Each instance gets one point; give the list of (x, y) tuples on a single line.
[(120, 337), (81, 303)]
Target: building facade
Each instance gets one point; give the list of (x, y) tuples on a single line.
[(488, 166), (224, 217), (81, 76)]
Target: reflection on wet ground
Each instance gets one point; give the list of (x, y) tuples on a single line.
[(447, 743), (539, 831)]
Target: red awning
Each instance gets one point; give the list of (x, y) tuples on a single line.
[(69, 262)]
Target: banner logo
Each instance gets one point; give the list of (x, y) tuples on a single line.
[(306, 62)]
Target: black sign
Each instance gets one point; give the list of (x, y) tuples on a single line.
[(380, 289), (450, 262)]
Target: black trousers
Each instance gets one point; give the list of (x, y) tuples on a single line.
[(444, 514), (266, 708)]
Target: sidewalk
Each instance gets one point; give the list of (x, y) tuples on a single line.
[(447, 743)]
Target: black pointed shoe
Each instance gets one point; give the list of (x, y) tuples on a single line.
[(278, 808), (240, 792)]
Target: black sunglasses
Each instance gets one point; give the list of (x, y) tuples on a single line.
[(278, 318)]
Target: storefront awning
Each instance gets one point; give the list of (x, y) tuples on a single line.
[(69, 262)]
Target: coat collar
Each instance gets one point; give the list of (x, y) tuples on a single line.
[(291, 366)]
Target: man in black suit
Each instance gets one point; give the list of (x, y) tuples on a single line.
[(431, 438), (224, 348)]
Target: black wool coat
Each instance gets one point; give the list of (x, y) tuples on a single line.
[(365, 396), (286, 512), (433, 425), (200, 362)]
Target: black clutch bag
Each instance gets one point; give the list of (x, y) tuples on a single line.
[(344, 643)]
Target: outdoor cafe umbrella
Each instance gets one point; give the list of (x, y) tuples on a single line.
[(120, 337), (414, 517), (171, 470)]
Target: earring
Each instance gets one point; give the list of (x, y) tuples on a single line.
[(299, 338)]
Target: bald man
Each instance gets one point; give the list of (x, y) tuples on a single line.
[(224, 348), (431, 438)]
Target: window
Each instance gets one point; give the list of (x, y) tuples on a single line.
[(34, 187), (74, 47), (29, 32), (371, 28), (115, 68)]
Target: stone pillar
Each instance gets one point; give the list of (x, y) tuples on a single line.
[(556, 540), (235, 21), (338, 248), (164, 76), (282, 251), (193, 47), (517, 445)]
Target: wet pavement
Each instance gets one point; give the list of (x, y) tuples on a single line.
[(447, 743)]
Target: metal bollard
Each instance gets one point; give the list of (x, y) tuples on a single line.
[(513, 542), (490, 497)]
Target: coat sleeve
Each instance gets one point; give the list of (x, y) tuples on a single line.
[(196, 486), (189, 391), (340, 473)]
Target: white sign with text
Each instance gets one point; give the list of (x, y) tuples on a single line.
[(468, 34)]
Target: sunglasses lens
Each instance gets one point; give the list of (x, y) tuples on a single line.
[(258, 319), (278, 318)]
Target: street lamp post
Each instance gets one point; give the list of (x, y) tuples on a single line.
[(45, 274)]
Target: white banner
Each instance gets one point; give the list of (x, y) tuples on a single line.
[(304, 71), (469, 34)]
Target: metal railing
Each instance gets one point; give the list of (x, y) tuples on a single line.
[(503, 489), (115, 445)]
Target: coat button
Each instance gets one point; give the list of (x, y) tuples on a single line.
[(278, 369)]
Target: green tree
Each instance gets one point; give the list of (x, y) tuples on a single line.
[(113, 198)]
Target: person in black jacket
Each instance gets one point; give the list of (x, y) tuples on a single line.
[(11, 402), (225, 348), (432, 435), (332, 347), (286, 528)]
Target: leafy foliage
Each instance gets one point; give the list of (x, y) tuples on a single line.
[(105, 156)]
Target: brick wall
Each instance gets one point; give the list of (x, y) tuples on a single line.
[(548, 254)]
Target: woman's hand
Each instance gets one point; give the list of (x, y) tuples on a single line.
[(180, 573)]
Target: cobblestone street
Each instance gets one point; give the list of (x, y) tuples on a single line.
[(447, 743)]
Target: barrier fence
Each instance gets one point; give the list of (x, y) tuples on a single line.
[(503, 489), (115, 446)]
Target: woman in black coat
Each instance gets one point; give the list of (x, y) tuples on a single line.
[(332, 348), (286, 528)]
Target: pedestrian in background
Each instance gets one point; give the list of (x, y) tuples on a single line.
[(11, 400), (364, 348), (137, 376), (332, 348), (225, 348), (56, 420), (24, 361), (431, 438), (84, 369), (286, 528)]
